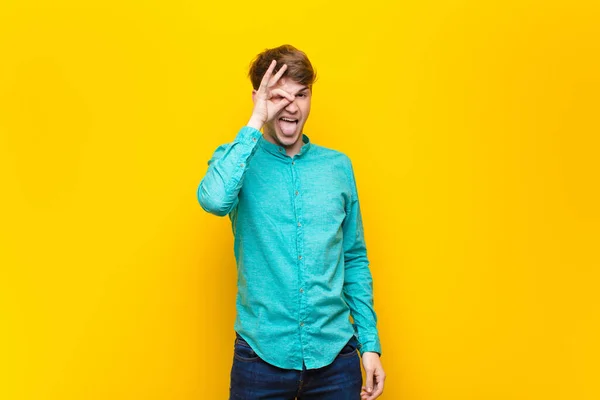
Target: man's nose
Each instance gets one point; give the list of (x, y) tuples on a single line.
[(292, 107)]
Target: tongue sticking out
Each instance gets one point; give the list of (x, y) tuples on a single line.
[(288, 128)]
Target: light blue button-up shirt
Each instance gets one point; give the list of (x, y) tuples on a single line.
[(301, 257)]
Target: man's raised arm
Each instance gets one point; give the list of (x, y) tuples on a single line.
[(218, 191)]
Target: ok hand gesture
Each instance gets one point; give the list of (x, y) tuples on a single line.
[(269, 100)]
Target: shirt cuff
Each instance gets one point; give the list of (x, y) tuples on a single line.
[(248, 135), (370, 345)]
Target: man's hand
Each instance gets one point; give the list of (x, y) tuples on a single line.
[(374, 374), (268, 100)]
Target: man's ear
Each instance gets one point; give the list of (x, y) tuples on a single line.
[(253, 95)]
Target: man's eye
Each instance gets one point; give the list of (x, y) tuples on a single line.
[(301, 95)]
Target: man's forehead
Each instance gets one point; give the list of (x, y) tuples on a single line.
[(291, 85)]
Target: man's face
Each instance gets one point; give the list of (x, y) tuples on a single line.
[(285, 129)]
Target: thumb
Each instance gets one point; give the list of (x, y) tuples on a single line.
[(280, 105), (369, 375)]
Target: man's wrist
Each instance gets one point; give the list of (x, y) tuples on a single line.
[(371, 352), (255, 123)]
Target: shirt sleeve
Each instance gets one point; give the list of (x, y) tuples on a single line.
[(218, 191), (358, 282)]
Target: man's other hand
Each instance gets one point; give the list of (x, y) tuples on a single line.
[(374, 375)]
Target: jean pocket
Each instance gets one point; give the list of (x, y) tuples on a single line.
[(349, 350), (243, 352)]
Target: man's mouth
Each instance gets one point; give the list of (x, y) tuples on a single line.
[(288, 125)]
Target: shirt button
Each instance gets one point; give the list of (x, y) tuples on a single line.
[(293, 163), (301, 323), (242, 165), (301, 290), (296, 193), (254, 139), (299, 257), (299, 224)]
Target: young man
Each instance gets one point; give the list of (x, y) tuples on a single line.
[(299, 246)]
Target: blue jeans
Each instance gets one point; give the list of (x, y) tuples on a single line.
[(254, 379)]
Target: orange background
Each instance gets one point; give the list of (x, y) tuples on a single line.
[(473, 127)]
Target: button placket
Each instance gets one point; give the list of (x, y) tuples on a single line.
[(297, 202)]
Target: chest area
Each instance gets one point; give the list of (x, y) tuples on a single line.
[(319, 192)]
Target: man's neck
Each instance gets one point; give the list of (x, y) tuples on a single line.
[(291, 150)]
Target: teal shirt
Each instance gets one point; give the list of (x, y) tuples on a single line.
[(298, 241)]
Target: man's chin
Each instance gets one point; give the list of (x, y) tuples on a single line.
[(288, 140)]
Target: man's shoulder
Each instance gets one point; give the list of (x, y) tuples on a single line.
[(331, 155)]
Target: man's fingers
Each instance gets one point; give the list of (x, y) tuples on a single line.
[(282, 93), (378, 388), (278, 75), (369, 375), (267, 76), (364, 394), (374, 385), (379, 378), (278, 106), (279, 99)]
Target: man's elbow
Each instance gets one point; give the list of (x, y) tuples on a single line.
[(356, 259), (213, 204)]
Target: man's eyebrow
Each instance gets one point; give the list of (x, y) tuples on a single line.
[(302, 90)]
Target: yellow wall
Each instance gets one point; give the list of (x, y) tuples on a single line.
[(473, 127)]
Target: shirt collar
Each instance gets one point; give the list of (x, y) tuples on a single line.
[(279, 151)]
